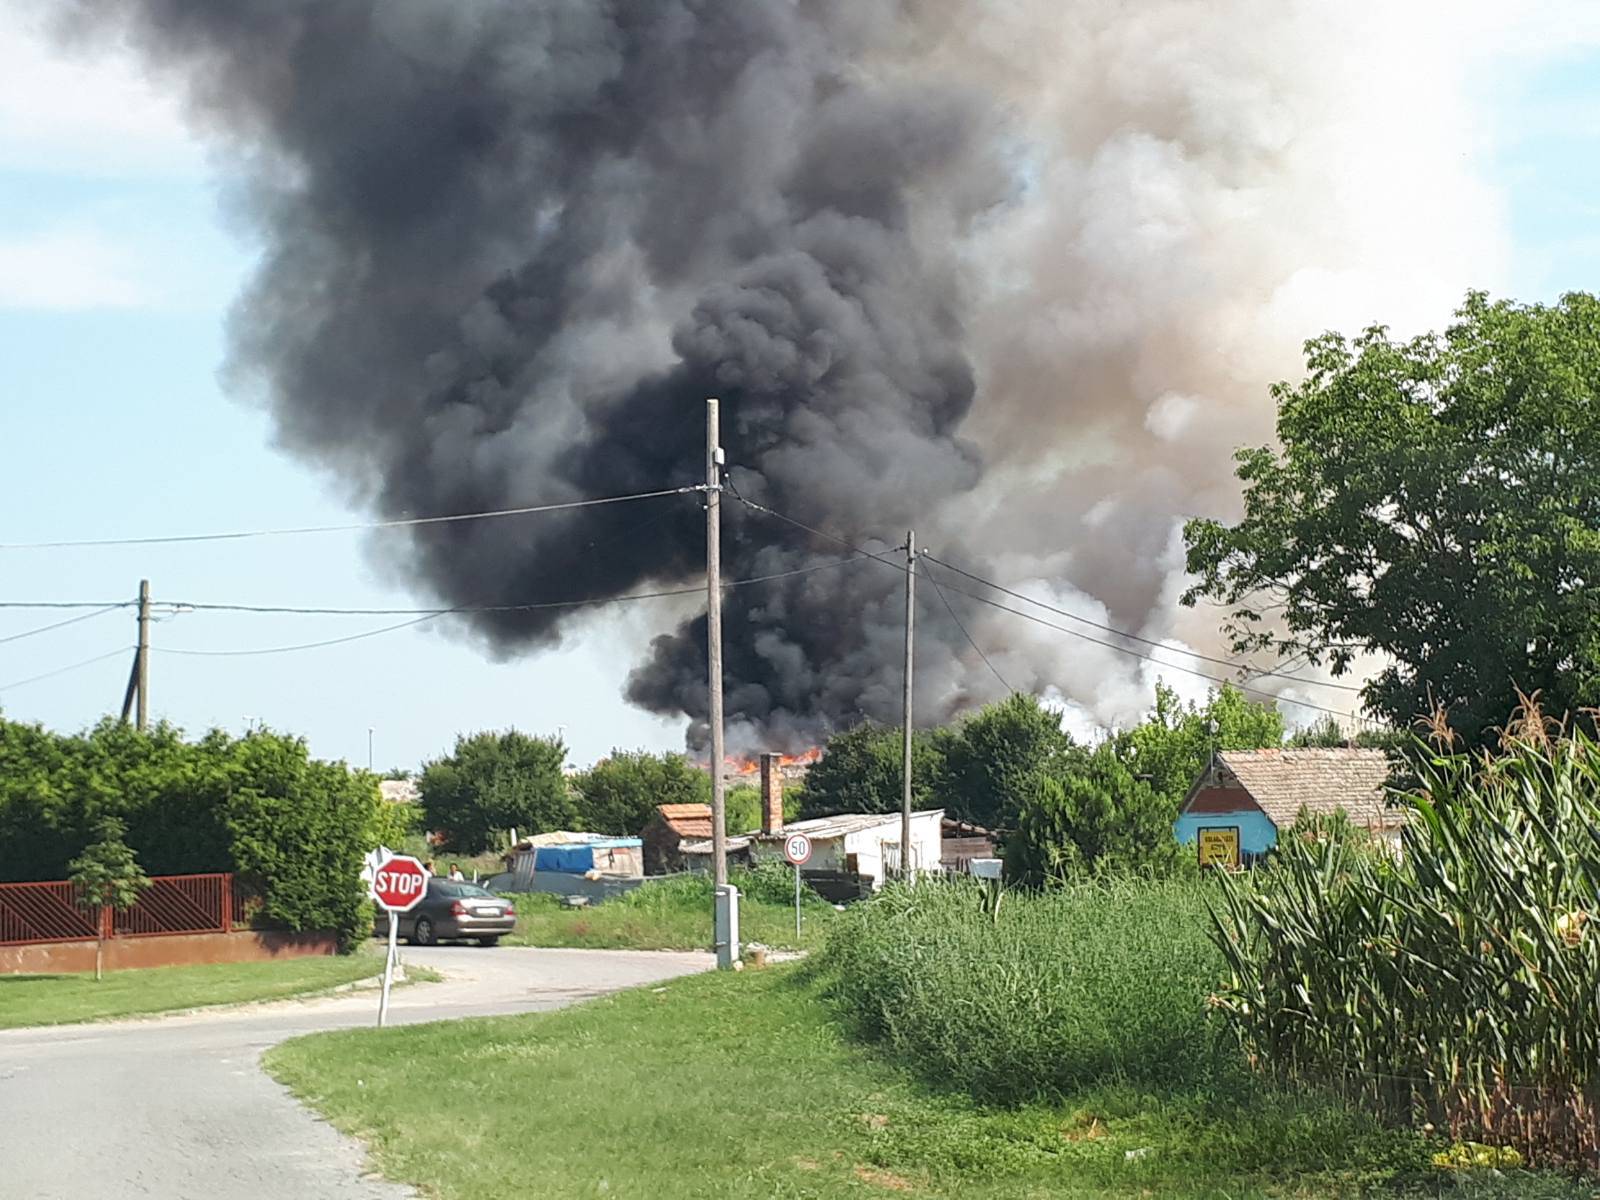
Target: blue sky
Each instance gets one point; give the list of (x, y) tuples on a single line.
[(116, 268)]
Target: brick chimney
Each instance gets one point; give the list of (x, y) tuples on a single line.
[(771, 794)]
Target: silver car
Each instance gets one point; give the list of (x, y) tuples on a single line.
[(453, 911)]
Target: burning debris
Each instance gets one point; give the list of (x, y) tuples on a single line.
[(1015, 274)]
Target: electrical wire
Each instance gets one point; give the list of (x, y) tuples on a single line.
[(63, 670), (1218, 679), (698, 590), (66, 604), (433, 614), (401, 523), (17, 637), (1072, 632), (928, 575), (1061, 612)]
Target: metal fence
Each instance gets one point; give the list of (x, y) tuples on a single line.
[(172, 904)]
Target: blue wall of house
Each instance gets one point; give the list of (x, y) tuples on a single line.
[(1257, 833)]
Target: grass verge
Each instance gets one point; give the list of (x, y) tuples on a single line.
[(745, 1086), (674, 914), (65, 999)]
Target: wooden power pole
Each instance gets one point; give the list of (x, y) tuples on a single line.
[(905, 730), (139, 676), (719, 813)]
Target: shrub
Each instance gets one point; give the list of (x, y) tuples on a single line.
[(497, 781), (294, 829), (619, 794), (1091, 817), (1086, 984)]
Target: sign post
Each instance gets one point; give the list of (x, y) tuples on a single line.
[(797, 849), (398, 883)]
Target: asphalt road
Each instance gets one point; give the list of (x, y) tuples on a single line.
[(179, 1108)]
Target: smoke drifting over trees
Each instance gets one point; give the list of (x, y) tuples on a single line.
[(1014, 273)]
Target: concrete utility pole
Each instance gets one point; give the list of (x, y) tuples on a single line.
[(139, 676), (906, 865), (143, 719), (719, 814)]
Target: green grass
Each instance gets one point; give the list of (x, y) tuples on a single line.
[(743, 1085), (1061, 989), (674, 914), (64, 999)]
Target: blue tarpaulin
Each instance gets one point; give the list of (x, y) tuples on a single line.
[(576, 858)]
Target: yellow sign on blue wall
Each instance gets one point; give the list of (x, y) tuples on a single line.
[(1219, 847)]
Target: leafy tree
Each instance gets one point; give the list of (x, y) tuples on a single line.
[(1090, 816), (995, 760), (108, 876), (860, 772), (744, 805), (1327, 734), (619, 794), (1175, 742), (1433, 501), (493, 782)]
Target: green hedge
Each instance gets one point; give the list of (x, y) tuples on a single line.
[(292, 828)]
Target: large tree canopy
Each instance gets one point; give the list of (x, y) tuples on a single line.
[(1435, 501)]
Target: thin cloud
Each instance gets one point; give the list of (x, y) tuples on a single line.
[(83, 114), (69, 270)]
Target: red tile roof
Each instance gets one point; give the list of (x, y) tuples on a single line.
[(686, 820), (1284, 781)]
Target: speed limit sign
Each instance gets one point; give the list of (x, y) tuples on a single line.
[(797, 848)]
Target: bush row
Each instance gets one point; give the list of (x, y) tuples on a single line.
[(292, 829)]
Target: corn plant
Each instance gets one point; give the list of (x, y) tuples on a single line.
[(1458, 983)]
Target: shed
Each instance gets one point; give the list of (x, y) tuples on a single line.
[(576, 854), (866, 845), (1245, 799), (669, 828), (962, 842)]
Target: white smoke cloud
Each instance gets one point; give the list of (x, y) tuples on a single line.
[(1209, 185)]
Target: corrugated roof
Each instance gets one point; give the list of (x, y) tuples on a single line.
[(687, 820), (1283, 782)]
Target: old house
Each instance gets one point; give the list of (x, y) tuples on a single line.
[(670, 827), (1245, 799), (850, 853)]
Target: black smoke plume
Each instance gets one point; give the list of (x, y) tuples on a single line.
[(512, 246)]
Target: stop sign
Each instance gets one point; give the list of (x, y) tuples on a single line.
[(400, 883)]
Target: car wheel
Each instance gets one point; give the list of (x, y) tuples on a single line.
[(422, 933), (489, 941)]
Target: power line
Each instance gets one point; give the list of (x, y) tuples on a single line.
[(938, 587), (1061, 612), (17, 637), (433, 614), (402, 523), (63, 670), (66, 604), (697, 590), (1027, 616), (1072, 632), (338, 641)]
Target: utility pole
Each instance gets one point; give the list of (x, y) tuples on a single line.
[(143, 720), (139, 677), (719, 815), (905, 731), (725, 917)]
